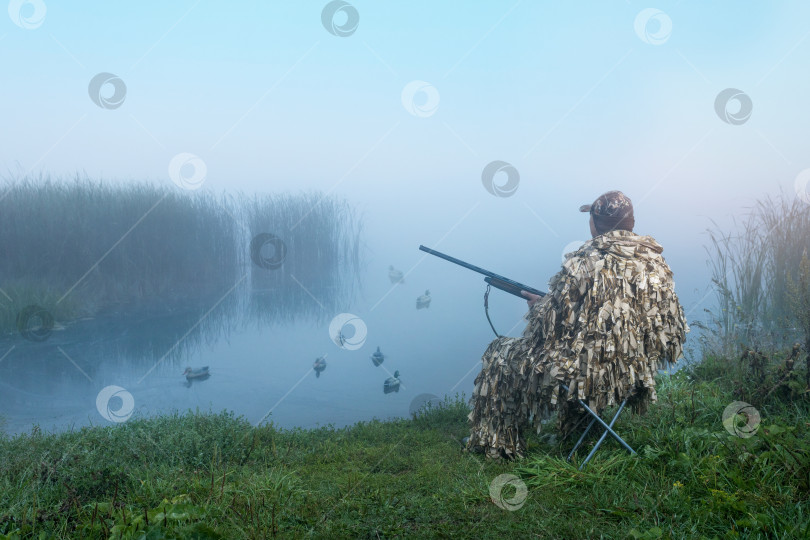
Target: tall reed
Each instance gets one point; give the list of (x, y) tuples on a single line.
[(320, 266), (82, 247), (752, 269)]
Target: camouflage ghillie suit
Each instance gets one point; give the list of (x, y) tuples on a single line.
[(610, 320)]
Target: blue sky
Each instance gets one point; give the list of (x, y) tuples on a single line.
[(567, 92)]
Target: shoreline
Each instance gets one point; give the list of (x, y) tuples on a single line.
[(215, 476)]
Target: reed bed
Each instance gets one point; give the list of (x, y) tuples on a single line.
[(319, 265), (84, 247), (756, 270)]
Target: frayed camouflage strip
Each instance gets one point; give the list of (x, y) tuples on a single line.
[(611, 319)]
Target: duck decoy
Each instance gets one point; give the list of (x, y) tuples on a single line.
[(319, 365), (377, 357), (395, 275), (339, 339), (197, 373), (391, 384), (423, 301)]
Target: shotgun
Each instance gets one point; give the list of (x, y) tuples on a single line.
[(499, 282)]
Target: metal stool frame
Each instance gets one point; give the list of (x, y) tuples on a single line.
[(608, 429)]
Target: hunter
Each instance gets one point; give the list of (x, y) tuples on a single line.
[(610, 321)]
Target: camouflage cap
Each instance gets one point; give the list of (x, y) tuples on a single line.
[(611, 210), (613, 204)]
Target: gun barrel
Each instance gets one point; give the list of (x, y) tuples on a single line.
[(458, 261), (492, 275)]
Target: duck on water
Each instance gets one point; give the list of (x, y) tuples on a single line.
[(423, 302), (378, 357), (196, 373), (319, 365), (395, 275), (391, 384)]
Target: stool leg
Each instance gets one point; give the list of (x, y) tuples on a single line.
[(607, 427), (582, 438), (604, 434)]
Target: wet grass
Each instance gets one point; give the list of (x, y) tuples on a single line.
[(216, 476)]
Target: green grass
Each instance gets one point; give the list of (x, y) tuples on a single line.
[(216, 476)]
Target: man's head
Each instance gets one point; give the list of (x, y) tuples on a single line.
[(609, 212)]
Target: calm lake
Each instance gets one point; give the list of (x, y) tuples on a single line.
[(258, 368)]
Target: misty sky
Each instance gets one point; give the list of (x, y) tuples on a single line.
[(579, 97)]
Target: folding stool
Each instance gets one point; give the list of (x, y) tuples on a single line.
[(608, 429)]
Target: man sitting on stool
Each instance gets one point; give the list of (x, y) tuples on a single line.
[(610, 320)]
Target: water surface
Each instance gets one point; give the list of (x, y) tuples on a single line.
[(260, 362)]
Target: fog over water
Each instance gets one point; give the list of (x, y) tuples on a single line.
[(398, 116)]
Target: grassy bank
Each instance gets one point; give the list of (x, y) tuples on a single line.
[(215, 476)]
